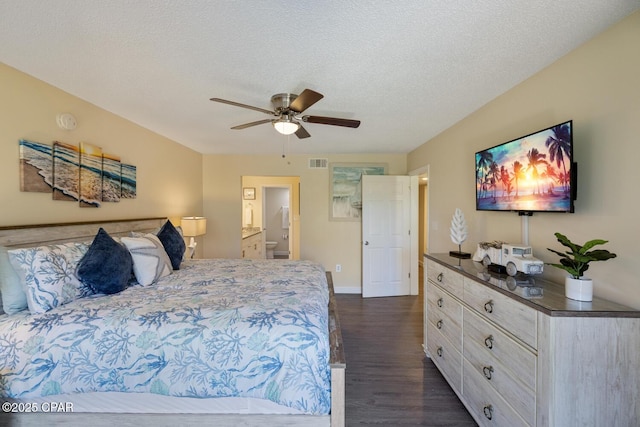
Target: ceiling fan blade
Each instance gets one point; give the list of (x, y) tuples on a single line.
[(334, 121), (305, 100), (302, 133), (248, 125), (237, 104)]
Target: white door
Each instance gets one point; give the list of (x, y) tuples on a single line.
[(386, 235)]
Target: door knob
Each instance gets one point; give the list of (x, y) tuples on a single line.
[(366, 242)]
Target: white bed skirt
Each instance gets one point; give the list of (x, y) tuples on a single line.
[(147, 403), (109, 409)]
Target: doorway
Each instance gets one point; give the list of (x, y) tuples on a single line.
[(423, 218), (255, 190)]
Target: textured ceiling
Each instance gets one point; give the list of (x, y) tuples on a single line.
[(407, 69)]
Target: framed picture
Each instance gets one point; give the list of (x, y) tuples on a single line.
[(249, 193), (345, 188)]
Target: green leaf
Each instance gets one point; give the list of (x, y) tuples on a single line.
[(601, 255), (566, 242), (592, 243)]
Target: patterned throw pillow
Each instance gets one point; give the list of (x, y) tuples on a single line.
[(173, 243), (107, 265), (150, 260), (48, 274)]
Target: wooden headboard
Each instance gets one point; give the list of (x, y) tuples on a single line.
[(44, 234)]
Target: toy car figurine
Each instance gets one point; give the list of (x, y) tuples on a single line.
[(511, 257)]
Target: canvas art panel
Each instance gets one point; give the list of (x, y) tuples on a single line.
[(90, 175), (66, 163), (129, 185), (345, 188), (35, 167), (111, 178)]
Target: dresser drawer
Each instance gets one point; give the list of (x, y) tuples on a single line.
[(448, 279), (445, 356), (482, 339), (445, 312), (502, 363), (511, 315), (484, 403)]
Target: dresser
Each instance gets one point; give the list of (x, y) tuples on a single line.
[(518, 353)]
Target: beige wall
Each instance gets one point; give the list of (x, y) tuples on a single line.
[(321, 240), (596, 85), (169, 175)]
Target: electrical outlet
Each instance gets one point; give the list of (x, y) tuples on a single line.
[(338, 268)]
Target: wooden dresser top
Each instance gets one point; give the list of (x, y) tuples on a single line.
[(552, 302)]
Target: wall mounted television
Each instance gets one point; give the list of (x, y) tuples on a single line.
[(534, 173)]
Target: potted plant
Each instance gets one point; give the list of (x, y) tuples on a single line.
[(576, 262)]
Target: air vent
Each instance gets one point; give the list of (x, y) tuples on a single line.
[(318, 163)]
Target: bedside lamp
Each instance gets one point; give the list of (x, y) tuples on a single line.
[(193, 226)]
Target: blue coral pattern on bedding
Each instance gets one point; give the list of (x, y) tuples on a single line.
[(214, 328)]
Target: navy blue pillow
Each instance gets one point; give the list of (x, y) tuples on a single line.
[(106, 267), (173, 244)]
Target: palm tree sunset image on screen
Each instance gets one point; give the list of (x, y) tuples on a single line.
[(534, 173)]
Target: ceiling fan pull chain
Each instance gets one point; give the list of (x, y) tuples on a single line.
[(285, 150)]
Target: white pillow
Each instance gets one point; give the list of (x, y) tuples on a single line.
[(48, 274), (150, 260)]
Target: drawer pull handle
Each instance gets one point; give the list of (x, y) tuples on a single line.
[(439, 278), (439, 324), (439, 351), (488, 342), (488, 306), (488, 411), (487, 371), (440, 301)]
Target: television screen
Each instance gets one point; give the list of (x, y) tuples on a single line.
[(534, 173)]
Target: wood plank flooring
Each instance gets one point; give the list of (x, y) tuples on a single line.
[(389, 381)]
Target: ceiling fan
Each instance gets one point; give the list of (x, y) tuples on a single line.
[(287, 108)]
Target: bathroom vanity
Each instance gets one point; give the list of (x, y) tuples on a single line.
[(517, 352), (252, 243)]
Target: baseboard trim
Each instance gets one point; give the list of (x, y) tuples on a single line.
[(347, 290)]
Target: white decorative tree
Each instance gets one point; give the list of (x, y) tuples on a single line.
[(459, 233)]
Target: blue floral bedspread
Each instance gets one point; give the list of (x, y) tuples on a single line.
[(214, 328)]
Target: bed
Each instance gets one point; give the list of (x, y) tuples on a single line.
[(219, 342)]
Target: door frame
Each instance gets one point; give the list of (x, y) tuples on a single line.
[(259, 181), (423, 171)]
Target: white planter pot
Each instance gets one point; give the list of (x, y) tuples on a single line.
[(578, 289)]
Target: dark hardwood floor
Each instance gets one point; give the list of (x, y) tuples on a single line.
[(389, 381)]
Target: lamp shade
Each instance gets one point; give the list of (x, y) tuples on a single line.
[(286, 126), (194, 226)]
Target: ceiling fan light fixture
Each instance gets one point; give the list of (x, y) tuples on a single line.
[(286, 126)]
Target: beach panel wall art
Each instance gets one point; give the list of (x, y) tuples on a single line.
[(35, 167), (66, 161), (90, 175), (129, 186), (111, 178), (81, 173)]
